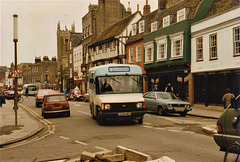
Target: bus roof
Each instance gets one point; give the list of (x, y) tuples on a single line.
[(116, 69), (29, 85)]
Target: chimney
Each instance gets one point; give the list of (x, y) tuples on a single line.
[(129, 8), (37, 59), (137, 7), (146, 9), (162, 4), (58, 26), (73, 27)]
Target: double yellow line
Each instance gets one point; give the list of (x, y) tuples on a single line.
[(46, 123)]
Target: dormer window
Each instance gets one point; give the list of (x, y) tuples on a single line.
[(154, 26), (134, 31), (182, 14), (166, 21), (141, 26)]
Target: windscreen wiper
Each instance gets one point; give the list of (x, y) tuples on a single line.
[(132, 78), (113, 79)]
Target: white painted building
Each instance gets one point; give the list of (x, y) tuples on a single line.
[(77, 62), (215, 56)]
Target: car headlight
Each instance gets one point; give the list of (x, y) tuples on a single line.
[(187, 106), (169, 105), (105, 106), (140, 105)]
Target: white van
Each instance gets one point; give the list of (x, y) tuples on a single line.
[(115, 91)]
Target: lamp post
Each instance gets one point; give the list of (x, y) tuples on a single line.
[(15, 40)]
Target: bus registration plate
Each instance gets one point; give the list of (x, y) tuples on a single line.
[(124, 114)]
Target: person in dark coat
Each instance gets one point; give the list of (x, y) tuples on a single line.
[(26, 92), (1, 96), (169, 88)]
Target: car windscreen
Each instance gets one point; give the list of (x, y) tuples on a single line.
[(76, 92), (56, 98), (165, 95), (119, 84)]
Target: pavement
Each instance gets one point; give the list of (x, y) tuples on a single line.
[(28, 125), (12, 131)]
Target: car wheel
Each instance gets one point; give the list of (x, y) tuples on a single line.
[(100, 119), (183, 114), (37, 104), (68, 114), (161, 112), (140, 121)]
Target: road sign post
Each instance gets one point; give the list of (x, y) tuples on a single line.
[(15, 74)]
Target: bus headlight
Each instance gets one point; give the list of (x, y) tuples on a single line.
[(105, 106), (140, 105)]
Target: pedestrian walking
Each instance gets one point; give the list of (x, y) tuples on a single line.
[(169, 88), (1, 96), (26, 92), (227, 98), (155, 88)]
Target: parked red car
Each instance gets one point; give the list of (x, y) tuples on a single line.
[(55, 104)]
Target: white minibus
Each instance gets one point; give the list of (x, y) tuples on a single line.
[(115, 91)]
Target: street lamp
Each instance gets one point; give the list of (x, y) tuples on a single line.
[(15, 40)]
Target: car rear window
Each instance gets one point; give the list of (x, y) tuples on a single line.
[(55, 98)]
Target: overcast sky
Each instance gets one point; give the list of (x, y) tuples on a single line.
[(37, 25)]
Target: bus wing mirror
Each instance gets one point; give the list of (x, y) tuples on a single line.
[(91, 80)]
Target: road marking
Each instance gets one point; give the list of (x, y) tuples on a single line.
[(82, 143), (101, 148), (171, 130), (64, 138), (84, 112), (160, 128), (173, 120), (146, 126)]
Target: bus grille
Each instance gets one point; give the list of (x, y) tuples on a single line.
[(123, 106)]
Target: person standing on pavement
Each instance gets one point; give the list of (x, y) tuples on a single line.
[(169, 88), (227, 98), (1, 96), (26, 92), (155, 88)]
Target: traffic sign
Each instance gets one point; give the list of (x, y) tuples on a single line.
[(15, 74)]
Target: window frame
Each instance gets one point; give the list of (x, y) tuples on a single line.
[(130, 55), (147, 46), (159, 42), (174, 38), (166, 21), (152, 26), (213, 47), (141, 26), (234, 41), (138, 57), (197, 49), (134, 29)]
